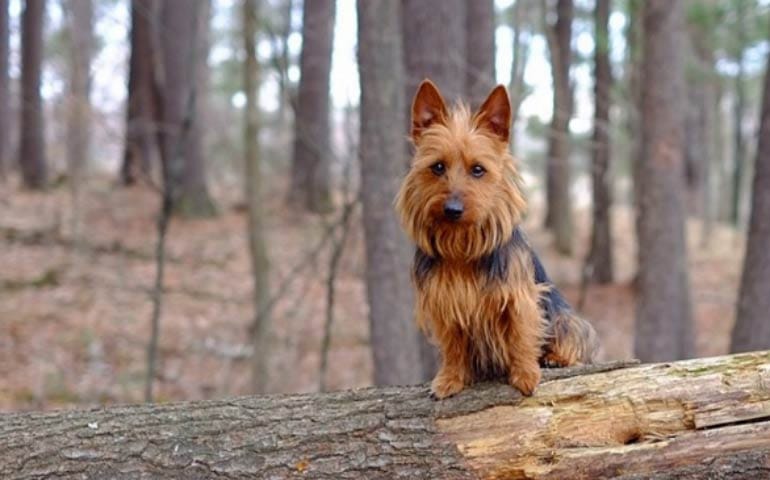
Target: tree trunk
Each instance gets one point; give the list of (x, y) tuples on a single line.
[(79, 122), (697, 419), (32, 158), (194, 199), (257, 245), (751, 330), (700, 126), (311, 164), (663, 321), (5, 38), (140, 144), (520, 48), (394, 336), (433, 47), (559, 213), (480, 50), (600, 255), (739, 108), (179, 37)]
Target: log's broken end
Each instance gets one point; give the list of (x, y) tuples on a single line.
[(651, 421)]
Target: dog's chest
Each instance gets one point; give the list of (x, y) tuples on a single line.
[(462, 296)]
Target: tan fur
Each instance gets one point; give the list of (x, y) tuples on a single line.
[(482, 327)]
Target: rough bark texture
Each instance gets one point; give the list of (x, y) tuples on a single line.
[(32, 158), (256, 229), (311, 164), (663, 320), (389, 293), (705, 418), (752, 330), (559, 213), (140, 136), (480, 51), (434, 47), (4, 88), (600, 255)]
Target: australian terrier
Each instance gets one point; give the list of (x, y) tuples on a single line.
[(483, 295)]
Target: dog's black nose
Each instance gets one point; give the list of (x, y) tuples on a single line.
[(453, 208)]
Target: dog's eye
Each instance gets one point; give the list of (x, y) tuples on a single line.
[(478, 171), (438, 168)]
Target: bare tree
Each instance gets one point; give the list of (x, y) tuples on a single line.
[(480, 50), (559, 213), (140, 138), (739, 109), (311, 164), (32, 157), (663, 321), (389, 294), (179, 34), (80, 16), (4, 87), (433, 47), (599, 261), (752, 330), (194, 199), (520, 16), (257, 244)]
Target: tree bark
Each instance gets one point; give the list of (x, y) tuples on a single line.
[(434, 47), (311, 164), (140, 145), (5, 96), (751, 330), (81, 34), (701, 125), (687, 420), (180, 43), (32, 157), (194, 199), (518, 88), (394, 336), (256, 230), (559, 213), (600, 255), (79, 122), (739, 108), (480, 50), (663, 320)]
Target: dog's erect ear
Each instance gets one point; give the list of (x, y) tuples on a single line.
[(428, 108), (495, 114)]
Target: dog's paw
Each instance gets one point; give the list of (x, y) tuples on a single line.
[(445, 386), (525, 380)]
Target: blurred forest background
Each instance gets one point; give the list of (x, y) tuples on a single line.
[(196, 195)]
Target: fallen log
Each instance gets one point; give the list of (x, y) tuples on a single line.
[(703, 418)]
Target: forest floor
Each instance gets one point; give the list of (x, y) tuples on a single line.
[(75, 309)]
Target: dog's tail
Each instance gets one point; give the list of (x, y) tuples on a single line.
[(571, 340)]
